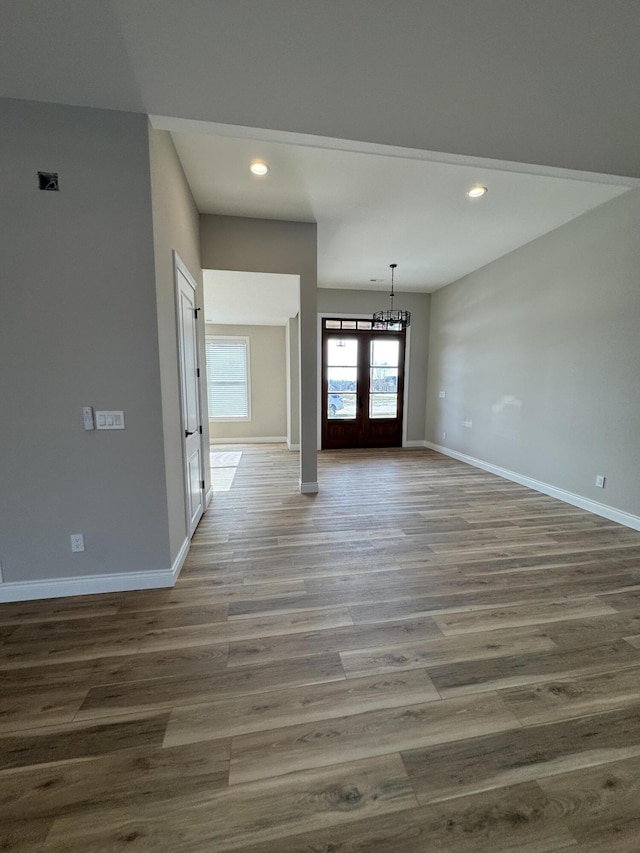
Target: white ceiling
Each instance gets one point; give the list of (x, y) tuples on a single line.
[(248, 299), (552, 83), (374, 209), (521, 81)]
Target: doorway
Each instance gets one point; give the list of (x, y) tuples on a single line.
[(362, 385)]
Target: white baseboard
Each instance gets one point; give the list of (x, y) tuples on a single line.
[(308, 488), (618, 515), (254, 439), (293, 446), (207, 497), (94, 584), (178, 563), (415, 443)]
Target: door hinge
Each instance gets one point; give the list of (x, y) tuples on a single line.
[(200, 428), (202, 484), (198, 372)]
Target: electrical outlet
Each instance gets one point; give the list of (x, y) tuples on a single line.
[(442, 394), (600, 481), (77, 542)]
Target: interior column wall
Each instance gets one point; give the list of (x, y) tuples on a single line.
[(176, 227), (269, 245)]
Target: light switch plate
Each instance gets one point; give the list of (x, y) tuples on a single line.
[(109, 420)]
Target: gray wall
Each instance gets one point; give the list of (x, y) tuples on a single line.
[(270, 245), (293, 383), (78, 327), (176, 226), (268, 378), (365, 302), (540, 350)]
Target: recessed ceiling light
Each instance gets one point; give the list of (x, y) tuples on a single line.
[(476, 191), (259, 167)]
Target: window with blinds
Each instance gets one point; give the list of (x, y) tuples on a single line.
[(228, 378)]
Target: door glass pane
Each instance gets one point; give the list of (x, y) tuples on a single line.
[(332, 324), (383, 406), (384, 379), (341, 407), (342, 378), (342, 352), (385, 353)]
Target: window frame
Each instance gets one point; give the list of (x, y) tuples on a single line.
[(247, 351)]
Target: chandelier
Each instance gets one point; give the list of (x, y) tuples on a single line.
[(394, 319)]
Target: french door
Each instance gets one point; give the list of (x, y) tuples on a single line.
[(362, 385)]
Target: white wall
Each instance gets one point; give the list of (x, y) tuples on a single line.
[(540, 350), (365, 302), (78, 327), (175, 226), (268, 379)]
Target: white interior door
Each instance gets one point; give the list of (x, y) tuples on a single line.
[(190, 393)]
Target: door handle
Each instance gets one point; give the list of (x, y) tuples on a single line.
[(187, 433)]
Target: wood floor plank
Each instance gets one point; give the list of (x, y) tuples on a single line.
[(275, 752), (232, 818), (172, 692), (51, 609), (580, 633), (464, 647), (523, 755), (84, 674), (79, 740), (525, 614), (518, 670), (599, 805), (512, 820), (564, 698), (128, 778), (249, 628), (23, 707), (282, 708), (324, 642), (24, 836)]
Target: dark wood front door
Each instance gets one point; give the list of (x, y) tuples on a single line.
[(362, 385)]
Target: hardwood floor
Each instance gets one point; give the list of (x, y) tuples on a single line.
[(422, 657)]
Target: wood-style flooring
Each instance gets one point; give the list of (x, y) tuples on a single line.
[(422, 657)]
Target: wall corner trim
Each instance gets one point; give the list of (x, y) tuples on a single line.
[(613, 514), (293, 446), (94, 584), (415, 443), (308, 488)]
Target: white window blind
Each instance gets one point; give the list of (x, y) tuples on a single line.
[(228, 378)]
